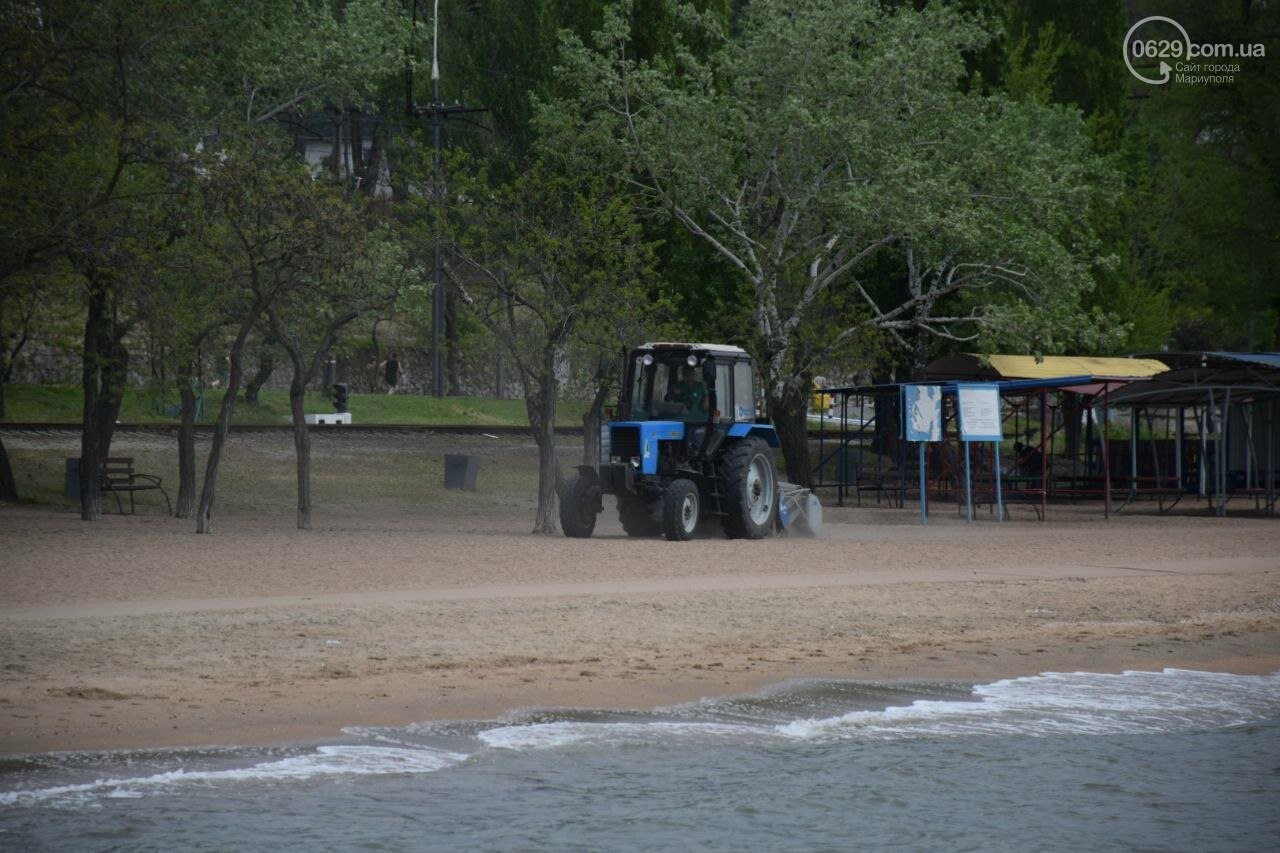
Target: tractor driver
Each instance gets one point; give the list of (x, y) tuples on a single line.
[(692, 392)]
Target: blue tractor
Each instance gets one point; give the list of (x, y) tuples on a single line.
[(687, 447)]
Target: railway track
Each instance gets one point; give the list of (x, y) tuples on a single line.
[(55, 428), (439, 429)]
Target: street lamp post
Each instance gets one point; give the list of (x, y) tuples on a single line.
[(438, 112)]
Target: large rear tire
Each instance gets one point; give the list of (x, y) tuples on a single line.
[(681, 508), (579, 504), (751, 489), (637, 518)]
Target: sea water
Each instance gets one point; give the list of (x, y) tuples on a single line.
[(1062, 761)]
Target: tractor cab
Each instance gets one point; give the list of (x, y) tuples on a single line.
[(691, 383), (687, 446)]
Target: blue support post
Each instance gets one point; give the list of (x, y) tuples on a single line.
[(999, 493), (968, 483), (924, 495)]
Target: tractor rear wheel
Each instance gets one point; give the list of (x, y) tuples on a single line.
[(637, 518), (579, 503), (681, 508), (751, 489)]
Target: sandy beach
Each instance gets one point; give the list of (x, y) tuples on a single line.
[(135, 632)]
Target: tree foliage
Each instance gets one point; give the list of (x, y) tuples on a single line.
[(818, 136), (547, 260)]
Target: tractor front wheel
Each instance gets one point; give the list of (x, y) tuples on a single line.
[(751, 489), (579, 503), (681, 507), (637, 518)]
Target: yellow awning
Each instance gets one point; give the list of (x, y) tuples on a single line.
[(1052, 366)]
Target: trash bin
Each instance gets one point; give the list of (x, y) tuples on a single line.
[(71, 484), (460, 471)]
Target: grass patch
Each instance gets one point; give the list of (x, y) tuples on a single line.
[(359, 474), (64, 404)]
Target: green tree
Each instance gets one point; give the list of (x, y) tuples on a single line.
[(344, 274), (274, 235), (820, 135), (543, 260)]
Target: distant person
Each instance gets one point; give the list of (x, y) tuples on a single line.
[(1030, 459), (392, 375)]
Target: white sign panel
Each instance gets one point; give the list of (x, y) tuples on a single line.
[(979, 412), (924, 412)]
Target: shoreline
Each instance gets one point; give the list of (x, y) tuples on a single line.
[(134, 634), (321, 713)]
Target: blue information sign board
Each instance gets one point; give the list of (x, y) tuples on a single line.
[(922, 422), (979, 406)]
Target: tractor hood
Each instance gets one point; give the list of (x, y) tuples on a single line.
[(639, 439)]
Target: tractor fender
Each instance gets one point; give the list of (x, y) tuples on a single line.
[(765, 432)]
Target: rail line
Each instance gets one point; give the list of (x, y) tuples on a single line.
[(447, 429), (439, 429)]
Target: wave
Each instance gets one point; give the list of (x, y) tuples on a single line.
[(561, 734), (1044, 705), (1077, 703), (324, 761)]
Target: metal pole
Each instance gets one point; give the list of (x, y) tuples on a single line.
[(437, 296), (1179, 434), (822, 430), (1133, 453), (1246, 415), (924, 494), (1202, 424), (1106, 452), (968, 488), (1224, 429), (1271, 468), (902, 452), (1044, 455), (999, 493)]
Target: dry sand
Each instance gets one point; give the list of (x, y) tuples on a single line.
[(135, 632)]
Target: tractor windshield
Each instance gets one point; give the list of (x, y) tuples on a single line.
[(666, 387)]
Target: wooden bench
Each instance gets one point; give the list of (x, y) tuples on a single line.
[(118, 476)]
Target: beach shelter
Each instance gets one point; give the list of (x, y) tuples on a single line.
[(1233, 399)]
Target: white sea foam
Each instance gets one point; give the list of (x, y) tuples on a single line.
[(560, 734), (1068, 703), (325, 761)]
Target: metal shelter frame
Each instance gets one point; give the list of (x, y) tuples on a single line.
[(1232, 398)]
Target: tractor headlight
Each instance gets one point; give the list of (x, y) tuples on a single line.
[(647, 360), (635, 461), (692, 361), (615, 460)]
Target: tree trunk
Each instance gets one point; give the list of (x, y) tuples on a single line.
[(301, 445), (204, 519), (789, 412), (4, 359), (1071, 412), (97, 316), (185, 506), (356, 137), (266, 366), (114, 379), (920, 354), (8, 485), (541, 406), (335, 154)]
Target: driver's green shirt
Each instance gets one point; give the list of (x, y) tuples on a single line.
[(694, 397)]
